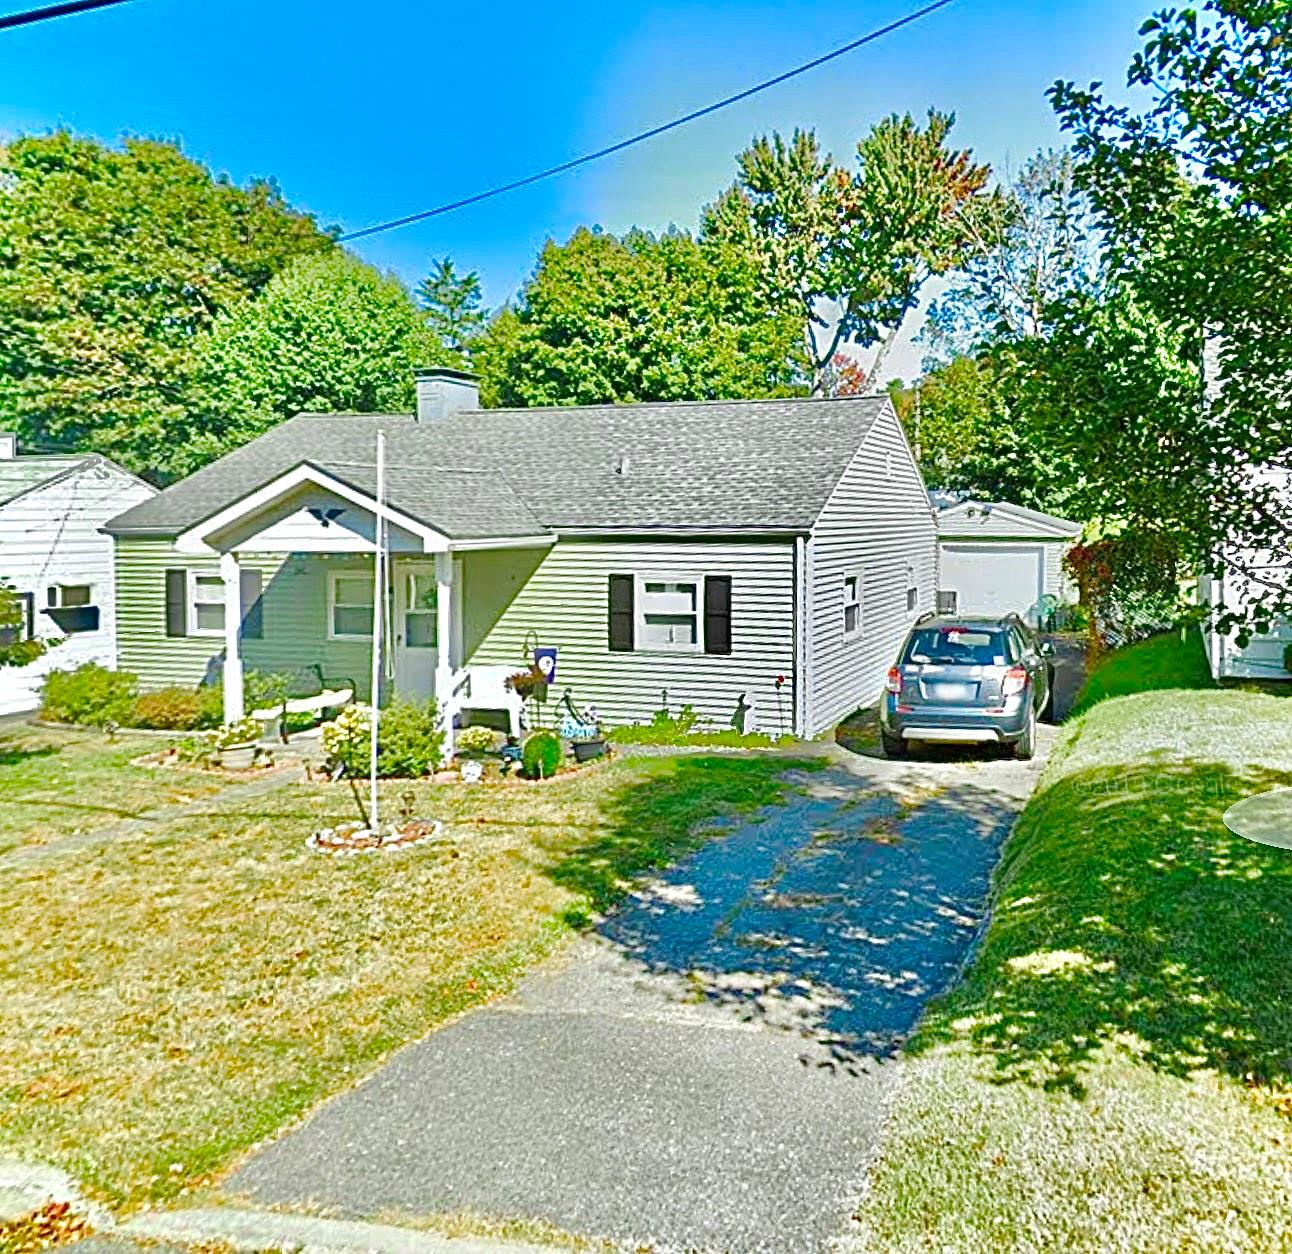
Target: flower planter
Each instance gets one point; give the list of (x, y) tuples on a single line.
[(587, 750), (238, 757)]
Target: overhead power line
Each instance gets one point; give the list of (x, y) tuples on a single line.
[(53, 10), (640, 138)]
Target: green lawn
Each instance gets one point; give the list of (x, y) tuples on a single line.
[(172, 999), (1115, 1071), (55, 782), (1152, 665)]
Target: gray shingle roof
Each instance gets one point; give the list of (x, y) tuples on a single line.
[(705, 466)]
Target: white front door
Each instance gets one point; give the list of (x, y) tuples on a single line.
[(415, 630)]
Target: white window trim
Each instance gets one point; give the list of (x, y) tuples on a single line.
[(191, 608), (861, 596), (332, 577), (912, 585), (639, 615), (57, 589)]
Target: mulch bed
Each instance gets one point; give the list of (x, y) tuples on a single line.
[(352, 838)]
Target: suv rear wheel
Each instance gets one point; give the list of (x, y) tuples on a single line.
[(1025, 745)]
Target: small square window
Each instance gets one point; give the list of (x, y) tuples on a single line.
[(206, 604), (912, 591)]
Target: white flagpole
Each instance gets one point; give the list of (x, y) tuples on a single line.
[(378, 603)]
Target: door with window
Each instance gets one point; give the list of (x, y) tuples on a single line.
[(415, 630)]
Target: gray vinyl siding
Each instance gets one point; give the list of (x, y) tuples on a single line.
[(294, 597), (561, 598), (877, 521)]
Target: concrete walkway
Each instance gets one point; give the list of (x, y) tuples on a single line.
[(713, 1069)]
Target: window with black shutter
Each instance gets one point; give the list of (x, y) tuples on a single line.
[(177, 602), (717, 614), (253, 605), (621, 613)]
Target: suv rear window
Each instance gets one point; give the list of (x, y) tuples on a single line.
[(960, 646)]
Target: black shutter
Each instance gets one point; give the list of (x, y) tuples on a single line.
[(621, 613), (176, 602), (717, 614), (253, 606)]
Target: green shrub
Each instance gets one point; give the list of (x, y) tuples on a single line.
[(540, 756), (410, 740), (91, 694), (168, 709), (475, 740)]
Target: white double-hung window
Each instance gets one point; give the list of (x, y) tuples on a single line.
[(851, 604), (205, 604), (349, 605), (668, 615)]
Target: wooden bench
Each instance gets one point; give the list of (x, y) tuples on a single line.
[(306, 691)]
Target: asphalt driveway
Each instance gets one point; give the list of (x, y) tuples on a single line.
[(713, 1068)]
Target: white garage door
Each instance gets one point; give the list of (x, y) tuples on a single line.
[(993, 578)]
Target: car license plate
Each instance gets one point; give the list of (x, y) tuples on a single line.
[(953, 692)]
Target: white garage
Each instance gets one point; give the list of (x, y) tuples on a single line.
[(997, 558)]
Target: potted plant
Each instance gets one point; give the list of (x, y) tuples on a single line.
[(582, 730), (235, 744)]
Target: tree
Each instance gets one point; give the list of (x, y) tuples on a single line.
[(1194, 195), (111, 261), (453, 305), (330, 333), (15, 649), (846, 253), (1041, 247), (637, 318)]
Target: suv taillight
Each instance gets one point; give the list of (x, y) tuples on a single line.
[(1015, 681), (894, 681)]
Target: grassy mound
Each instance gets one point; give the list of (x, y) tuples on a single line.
[(1115, 1071), (1153, 665)]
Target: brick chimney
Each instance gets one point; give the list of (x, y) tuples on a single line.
[(442, 392)]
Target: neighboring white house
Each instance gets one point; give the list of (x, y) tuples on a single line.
[(997, 558), (1264, 656), (53, 553)]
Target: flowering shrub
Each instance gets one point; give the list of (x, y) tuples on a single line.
[(475, 740), (410, 741), (347, 739)]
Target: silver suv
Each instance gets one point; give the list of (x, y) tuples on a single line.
[(967, 679)]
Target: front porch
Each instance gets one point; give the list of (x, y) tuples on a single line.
[(296, 589)]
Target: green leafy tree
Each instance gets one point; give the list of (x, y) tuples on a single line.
[(454, 306), (847, 252), (1192, 185), (111, 261), (637, 318), (330, 333), (1042, 246), (15, 650)]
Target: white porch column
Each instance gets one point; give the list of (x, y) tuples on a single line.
[(232, 575), (444, 659)]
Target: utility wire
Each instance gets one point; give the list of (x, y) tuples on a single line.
[(53, 10), (645, 135)]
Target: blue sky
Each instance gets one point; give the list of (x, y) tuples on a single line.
[(368, 112)]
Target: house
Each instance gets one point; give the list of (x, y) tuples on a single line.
[(1267, 655), (997, 558), (755, 558), (53, 553)]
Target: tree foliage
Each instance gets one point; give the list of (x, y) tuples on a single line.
[(111, 261), (454, 306), (15, 648), (1194, 194), (637, 318), (330, 334), (847, 252)]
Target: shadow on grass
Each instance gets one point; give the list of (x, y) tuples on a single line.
[(835, 915), (15, 753), (1127, 912)]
